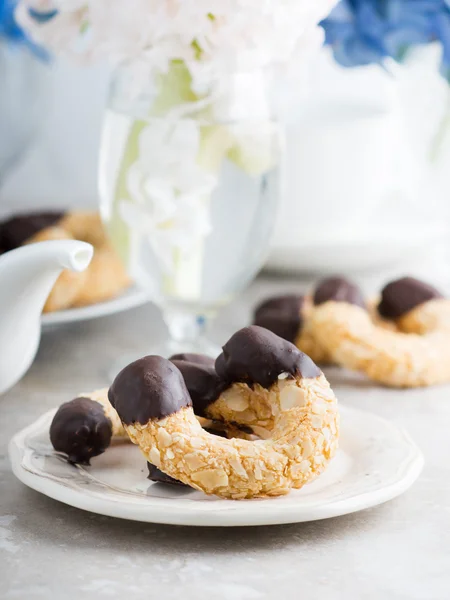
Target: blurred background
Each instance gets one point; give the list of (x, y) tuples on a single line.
[(366, 175)]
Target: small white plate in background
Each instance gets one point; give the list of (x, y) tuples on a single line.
[(131, 298)]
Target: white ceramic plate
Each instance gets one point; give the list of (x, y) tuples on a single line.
[(376, 462), (131, 298)]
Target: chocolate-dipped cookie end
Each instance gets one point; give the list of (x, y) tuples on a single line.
[(81, 430), (338, 289), (192, 357), (17, 230), (256, 355), (149, 388), (158, 476), (282, 315), (203, 383), (402, 295)]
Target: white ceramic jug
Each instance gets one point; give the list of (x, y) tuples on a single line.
[(27, 276), (361, 193)]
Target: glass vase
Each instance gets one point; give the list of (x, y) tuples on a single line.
[(189, 185)]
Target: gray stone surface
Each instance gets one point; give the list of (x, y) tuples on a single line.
[(398, 551)]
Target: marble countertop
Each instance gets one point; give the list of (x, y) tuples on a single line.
[(397, 551)]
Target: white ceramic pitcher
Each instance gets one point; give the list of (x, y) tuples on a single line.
[(27, 276)]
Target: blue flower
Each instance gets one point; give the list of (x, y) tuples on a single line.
[(8, 26), (364, 32), (12, 33), (355, 30), (42, 17)]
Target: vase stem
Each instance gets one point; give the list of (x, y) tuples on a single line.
[(187, 332)]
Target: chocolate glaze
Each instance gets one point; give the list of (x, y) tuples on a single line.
[(17, 230), (155, 474), (281, 315), (202, 382), (402, 295), (149, 388), (199, 359), (256, 355), (81, 430), (338, 289)]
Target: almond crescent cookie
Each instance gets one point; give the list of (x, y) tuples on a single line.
[(289, 316), (416, 354), (153, 402), (103, 279)]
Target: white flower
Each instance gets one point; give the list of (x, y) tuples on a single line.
[(168, 192), (210, 36)]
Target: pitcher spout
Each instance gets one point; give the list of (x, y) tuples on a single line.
[(75, 256), (32, 270)]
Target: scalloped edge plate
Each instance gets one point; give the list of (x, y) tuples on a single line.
[(131, 298), (376, 462)]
